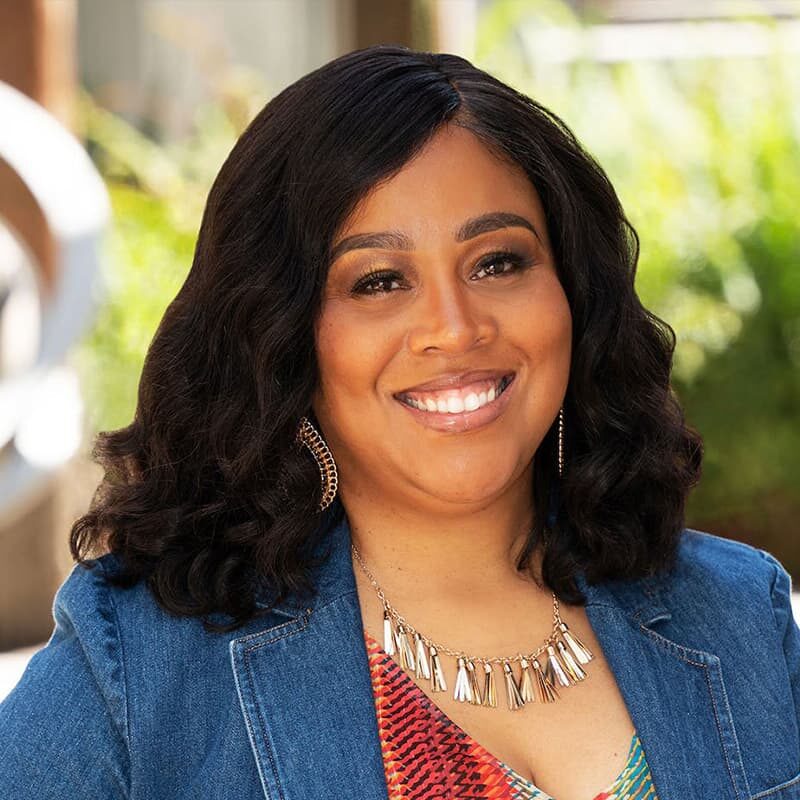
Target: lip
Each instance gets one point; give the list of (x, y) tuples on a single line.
[(457, 380), (466, 420)]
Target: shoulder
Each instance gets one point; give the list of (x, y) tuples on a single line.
[(81, 672), (139, 655), (708, 560), (90, 604), (121, 624), (95, 619), (715, 579)]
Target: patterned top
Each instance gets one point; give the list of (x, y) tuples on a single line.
[(426, 755)]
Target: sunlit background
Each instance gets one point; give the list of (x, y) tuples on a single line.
[(692, 108)]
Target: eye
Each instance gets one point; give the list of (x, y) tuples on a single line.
[(378, 282), (495, 265), (511, 262)]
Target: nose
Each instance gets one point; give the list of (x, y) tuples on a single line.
[(450, 319)]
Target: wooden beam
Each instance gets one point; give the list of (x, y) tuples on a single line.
[(37, 56)]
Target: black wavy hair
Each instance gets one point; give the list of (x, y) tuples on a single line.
[(205, 494)]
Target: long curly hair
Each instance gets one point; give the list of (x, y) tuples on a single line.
[(206, 494)]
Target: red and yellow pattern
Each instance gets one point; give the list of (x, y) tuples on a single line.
[(426, 755)]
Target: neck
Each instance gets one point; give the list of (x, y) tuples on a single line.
[(452, 576), (452, 557)]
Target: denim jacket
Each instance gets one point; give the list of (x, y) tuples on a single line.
[(127, 701)]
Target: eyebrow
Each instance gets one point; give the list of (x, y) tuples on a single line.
[(397, 240)]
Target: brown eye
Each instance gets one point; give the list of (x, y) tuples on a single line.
[(501, 263), (379, 282)]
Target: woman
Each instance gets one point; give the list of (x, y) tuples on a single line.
[(401, 509)]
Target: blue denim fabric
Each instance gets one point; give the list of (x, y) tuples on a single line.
[(126, 701)]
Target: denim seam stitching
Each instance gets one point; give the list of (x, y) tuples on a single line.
[(248, 723), (682, 653), (680, 650), (779, 788), (299, 612), (126, 720), (724, 693), (268, 748), (772, 586), (246, 652), (258, 634), (719, 731), (303, 619)]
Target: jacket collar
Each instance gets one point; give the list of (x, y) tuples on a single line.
[(305, 690)]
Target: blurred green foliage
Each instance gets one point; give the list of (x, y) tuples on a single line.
[(158, 193), (705, 155)]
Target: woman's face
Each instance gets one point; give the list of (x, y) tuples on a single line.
[(444, 270)]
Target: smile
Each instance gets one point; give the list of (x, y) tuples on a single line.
[(461, 409)]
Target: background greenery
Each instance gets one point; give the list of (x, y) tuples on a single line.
[(705, 155)]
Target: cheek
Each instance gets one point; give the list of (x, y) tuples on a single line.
[(351, 355), (543, 328)]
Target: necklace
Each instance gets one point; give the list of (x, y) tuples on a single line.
[(564, 654)]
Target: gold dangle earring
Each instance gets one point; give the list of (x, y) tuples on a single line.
[(308, 435), (561, 442), (553, 489)]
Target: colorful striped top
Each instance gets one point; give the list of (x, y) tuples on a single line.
[(426, 755)]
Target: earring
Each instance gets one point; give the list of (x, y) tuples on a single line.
[(308, 435), (561, 441), (553, 493)]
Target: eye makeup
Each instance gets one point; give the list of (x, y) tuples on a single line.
[(365, 283)]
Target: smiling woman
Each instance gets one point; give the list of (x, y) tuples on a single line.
[(439, 324), (401, 510)]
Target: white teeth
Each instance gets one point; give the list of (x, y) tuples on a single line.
[(454, 403)]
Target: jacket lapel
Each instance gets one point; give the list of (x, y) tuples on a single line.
[(674, 693), (305, 692)]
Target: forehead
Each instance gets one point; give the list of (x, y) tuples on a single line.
[(453, 178)]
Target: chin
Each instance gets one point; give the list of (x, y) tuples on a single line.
[(463, 491)]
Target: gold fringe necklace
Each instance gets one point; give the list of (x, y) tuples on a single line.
[(564, 654)]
